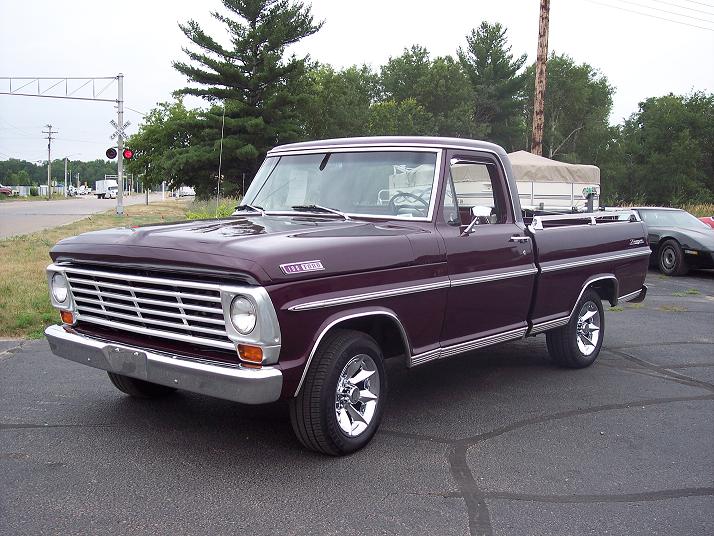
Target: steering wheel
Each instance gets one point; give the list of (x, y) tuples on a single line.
[(407, 195)]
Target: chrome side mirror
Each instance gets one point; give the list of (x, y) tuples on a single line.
[(480, 215)]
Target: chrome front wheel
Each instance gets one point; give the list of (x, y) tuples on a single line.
[(340, 404), (357, 395)]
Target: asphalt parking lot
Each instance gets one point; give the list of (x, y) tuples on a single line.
[(496, 442)]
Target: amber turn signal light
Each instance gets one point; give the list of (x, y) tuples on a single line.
[(250, 354), (67, 317)]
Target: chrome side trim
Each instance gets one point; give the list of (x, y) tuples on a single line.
[(492, 277), (425, 357), (460, 348), (332, 324), (354, 298), (229, 382), (343, 300), (636, 296), (575, 264), (482, 342), (551, 324)]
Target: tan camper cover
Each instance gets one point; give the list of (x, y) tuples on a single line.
[(531, 167)]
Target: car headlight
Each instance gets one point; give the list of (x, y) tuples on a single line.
[(59, 289), (243, 315)]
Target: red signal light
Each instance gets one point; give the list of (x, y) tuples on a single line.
[(128, 154)]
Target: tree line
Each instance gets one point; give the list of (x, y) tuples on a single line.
[(258, 96), (16, 172)]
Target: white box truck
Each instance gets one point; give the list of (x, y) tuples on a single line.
[(106, 189)]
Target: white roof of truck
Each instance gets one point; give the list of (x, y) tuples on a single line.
[(528, 167)]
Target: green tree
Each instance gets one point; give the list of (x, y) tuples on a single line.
[(497, 85), (440, 86), (664, 153), (262, 90), (339, 102), (404, 118), (164, 136), (578, 101)]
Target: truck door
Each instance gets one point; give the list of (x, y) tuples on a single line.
[(490, 258)]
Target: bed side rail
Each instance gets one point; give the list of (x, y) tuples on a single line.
[(586, 218)]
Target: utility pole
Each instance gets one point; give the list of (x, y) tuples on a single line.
[(120, 145), (49, 133), (540, 79)]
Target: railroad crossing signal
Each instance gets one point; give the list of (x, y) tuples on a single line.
[(120, 130)]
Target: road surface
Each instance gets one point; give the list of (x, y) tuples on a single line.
[(496, 442), (24, 217)]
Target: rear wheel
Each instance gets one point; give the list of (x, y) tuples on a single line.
[(340, 405), (139, 388), (671, 259), (578, 343)]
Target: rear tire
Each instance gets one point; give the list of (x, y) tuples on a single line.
[(670, 259), (340, 405), (578, 343), (139, 388)]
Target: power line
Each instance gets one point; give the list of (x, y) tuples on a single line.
[(699, 3), (667, 11), (651, 16), (685, 7)]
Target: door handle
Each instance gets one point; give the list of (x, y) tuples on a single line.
[(519, 239)]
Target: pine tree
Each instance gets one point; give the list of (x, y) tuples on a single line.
[(497, 84), (259, 88)]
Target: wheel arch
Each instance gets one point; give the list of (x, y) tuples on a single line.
[(382, 324), (607, 287)]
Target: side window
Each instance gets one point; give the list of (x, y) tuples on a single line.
[(478, 192)]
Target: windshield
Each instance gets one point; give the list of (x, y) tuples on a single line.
[(671, 218), (370, 183)]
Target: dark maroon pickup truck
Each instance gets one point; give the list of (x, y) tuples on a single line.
[(345, 253)]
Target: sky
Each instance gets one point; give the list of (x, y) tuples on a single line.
[(641, 55)]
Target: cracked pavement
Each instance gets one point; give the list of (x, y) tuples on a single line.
[(496, 442)]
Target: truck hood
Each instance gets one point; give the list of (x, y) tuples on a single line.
[(270, 248)]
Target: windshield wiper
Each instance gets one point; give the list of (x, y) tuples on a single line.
[(319, 208), (254, 208)]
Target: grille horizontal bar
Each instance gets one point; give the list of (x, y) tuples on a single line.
[(187, 311)]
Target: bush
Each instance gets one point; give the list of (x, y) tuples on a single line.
[(202, 210)]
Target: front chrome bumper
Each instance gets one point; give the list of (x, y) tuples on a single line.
[(237, 383)]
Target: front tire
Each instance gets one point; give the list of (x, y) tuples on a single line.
[(578, 343), (671, 259), (340, 405), (139, 388)]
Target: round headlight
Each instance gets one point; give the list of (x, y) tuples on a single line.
[(59, 288), (243, 315)]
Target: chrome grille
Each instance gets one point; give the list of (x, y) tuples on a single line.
[(161, 307)]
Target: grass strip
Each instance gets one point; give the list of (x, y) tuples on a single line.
[(25, 308)]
